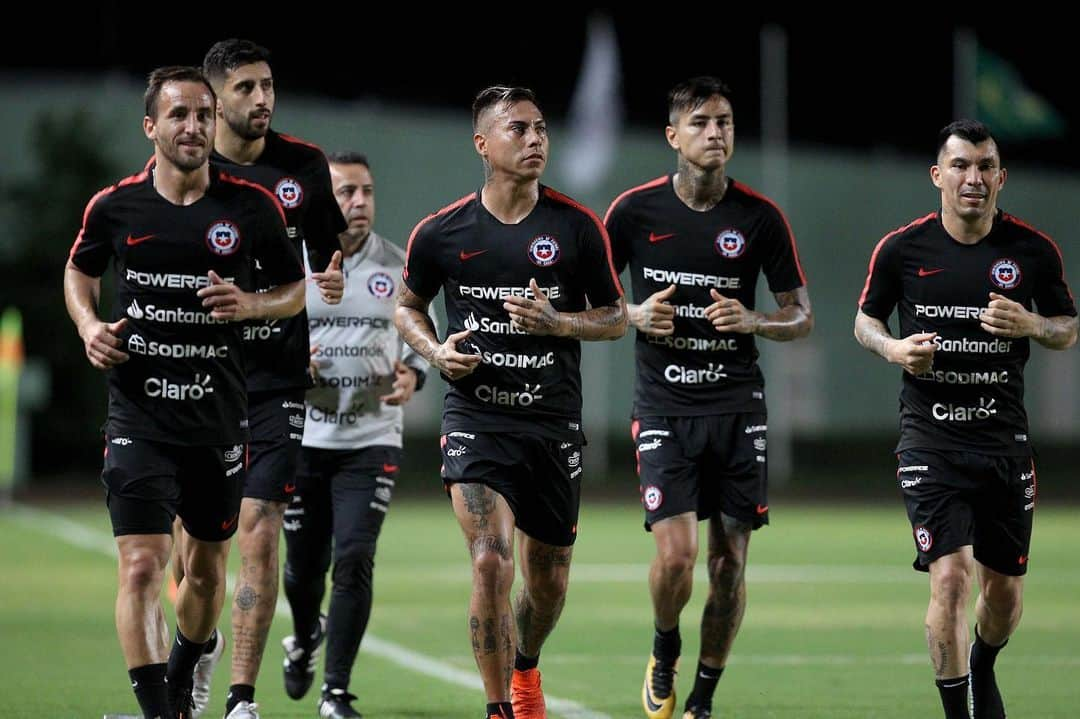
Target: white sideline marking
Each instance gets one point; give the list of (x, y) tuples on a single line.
[(832, 574), (82, 536)]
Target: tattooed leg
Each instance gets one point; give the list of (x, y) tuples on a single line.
[(256, 585), (729, 539), (545, 572), (951, 579), (488, 526)]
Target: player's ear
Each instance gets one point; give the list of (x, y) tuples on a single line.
[(935, 175), (480, 143), (672, 136), (148, 127)]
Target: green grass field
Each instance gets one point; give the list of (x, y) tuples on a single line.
[(833, 626)]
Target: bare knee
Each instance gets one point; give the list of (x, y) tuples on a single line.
[(142, 571), (676, 561), (726, 573), (1003, 599), (492, 564), (260, 531), (950, 588)]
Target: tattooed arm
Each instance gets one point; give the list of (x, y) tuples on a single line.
[(1007, 318), (538, 316), (414, 324), (793, 319), (915, 353)]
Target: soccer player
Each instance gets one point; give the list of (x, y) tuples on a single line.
[(970, 284), (526, 274), (696, 242), (352, 440), (185, 239), (277, 352)]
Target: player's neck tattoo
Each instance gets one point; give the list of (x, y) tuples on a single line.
[(700, 190)]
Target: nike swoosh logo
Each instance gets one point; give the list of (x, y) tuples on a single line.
[(469, 255), (653, 706), (762, 509), (653, 237), (953, 686), (388, 468), (927, 273), (132, 241), (226, 526)]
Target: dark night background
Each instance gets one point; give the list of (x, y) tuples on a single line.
[(856, 83)]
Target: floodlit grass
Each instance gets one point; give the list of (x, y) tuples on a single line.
[(833, 626)]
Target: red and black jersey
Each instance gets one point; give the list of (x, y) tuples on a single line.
[(184, 382), (697, 370), (525, 382), (298, 175), (973, 397)]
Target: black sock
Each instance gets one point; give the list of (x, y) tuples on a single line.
[(239, 693), (148, 683), (704, 687), (667, 645), (211, 643), (986, 700), (504, 710), (523, 663), (183, 657), (984, 655), (954, 697)]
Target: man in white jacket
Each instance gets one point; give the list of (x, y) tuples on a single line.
[(351, 450)]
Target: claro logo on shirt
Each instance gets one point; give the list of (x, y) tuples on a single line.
[(509, 398), (165, 388)]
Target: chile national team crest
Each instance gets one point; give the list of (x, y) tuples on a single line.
[(652, 497), (730, 243), (1005, 273), (289, 192), (544, 251), (223, 238), (923, 538), (381, 285)]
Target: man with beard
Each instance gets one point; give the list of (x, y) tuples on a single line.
[(185, 239), (352, 438), (277, 358)]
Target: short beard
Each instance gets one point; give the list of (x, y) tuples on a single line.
[(243, 128)]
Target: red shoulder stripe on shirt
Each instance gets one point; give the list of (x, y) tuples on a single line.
[(559, 197), (880, 244), (1005, 216), (651, 183), (133, 179), (452, 206), (298, 141), (787, 225), (226, 177)]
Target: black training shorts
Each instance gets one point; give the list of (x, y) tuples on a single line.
[(958, 498), (148, 483), (539, 478), (704, 465)]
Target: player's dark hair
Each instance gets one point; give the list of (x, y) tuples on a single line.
[(230, 54), (691, 94), (348, 157), (496, 95), (971, 130), (171, 73)]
